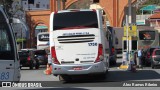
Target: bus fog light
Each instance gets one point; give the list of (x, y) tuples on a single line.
[(59, 68), (55, 68)]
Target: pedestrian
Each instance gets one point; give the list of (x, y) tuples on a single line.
[(139, 62), (49, 56), (135, 57), (132, 63), (49, 59)]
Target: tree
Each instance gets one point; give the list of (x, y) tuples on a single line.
[(153, 2), (7, 4), (81, 4), (149, 2)]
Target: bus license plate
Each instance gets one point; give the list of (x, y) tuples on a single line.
[(77, 68)]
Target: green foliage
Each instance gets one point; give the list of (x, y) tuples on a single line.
[(20, 40), (153, 2), (7, 5), (80, 4), (149, 2)]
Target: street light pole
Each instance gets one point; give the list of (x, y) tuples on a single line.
[(22, 35), (58, 5), (130, 11), (128, 21)]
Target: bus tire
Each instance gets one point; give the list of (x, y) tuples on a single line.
[(37, 66), (114, 62), (103, 75), (65, 78), (61, 78), (31, 66), (153, 67)]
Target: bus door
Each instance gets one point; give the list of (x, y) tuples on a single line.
[(8, 55)]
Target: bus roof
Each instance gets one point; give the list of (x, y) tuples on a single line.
[(43, 33)]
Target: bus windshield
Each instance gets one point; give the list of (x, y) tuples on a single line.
[(43, 37), (72, 20), (146, 35)]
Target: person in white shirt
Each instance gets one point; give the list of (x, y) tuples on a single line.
[(139, 63)]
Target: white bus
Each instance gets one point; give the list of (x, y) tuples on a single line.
[(42, 40), (9, 60), (77, 43)]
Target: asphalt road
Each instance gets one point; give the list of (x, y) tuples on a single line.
[(116, 79), (114, 75)]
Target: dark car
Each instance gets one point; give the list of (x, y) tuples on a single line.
[(27, 59), (42, 57), (147, 55), (155, 61)]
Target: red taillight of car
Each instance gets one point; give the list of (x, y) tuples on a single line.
[(148, 55), (28, 58), (54, 57), (113, 50), (46, 56), (100, 53), (153, 54)]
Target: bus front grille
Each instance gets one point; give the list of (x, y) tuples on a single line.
[(67, 62), (76, 38)]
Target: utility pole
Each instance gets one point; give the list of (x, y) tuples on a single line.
[(58, 5), (63, 2), (130, 11), (129, 35), (128, 21), (22, 36)]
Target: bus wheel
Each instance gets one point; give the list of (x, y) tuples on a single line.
[(61, 78), (31, 65), (114, 63), (37, 65), (103, 75), (65, 78), (153, 67)]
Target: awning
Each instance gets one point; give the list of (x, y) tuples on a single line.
[(41, 27), (149, 8), (155, 16)]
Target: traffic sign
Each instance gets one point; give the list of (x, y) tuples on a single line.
[(132, 30)]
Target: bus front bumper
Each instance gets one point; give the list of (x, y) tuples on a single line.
[(79, 69)]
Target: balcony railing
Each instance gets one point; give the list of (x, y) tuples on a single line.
[(142, 17)]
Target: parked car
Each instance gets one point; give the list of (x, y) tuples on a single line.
[(147, 55), (155, 61), (42, 57), (27, 59)]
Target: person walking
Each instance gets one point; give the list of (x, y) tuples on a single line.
[(48, 71), (49, 56), (139, 62)]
